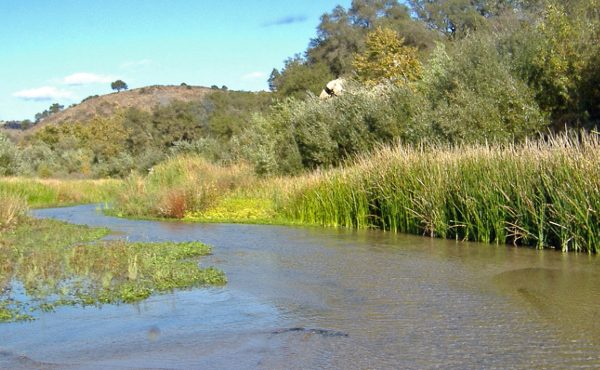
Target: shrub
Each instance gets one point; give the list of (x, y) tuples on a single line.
[(472, 96), (10, 157)]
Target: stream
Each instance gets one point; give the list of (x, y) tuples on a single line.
[(313, 298)]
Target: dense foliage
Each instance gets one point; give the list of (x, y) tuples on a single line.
[(468, 71)]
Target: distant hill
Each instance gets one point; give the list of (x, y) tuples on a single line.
[(145, 98)]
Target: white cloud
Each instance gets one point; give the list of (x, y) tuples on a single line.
[(254, 76), (136, 64), (87, 78), (44, 93)]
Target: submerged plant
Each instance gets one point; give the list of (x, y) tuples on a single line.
[(56, 264)]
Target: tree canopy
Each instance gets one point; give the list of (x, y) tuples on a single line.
[(118, 85), (386, 58)]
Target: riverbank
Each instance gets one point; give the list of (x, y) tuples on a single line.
[(543, 194), (45, 193)]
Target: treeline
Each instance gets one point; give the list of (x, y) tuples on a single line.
[(132, 139)]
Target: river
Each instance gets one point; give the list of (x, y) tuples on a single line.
[(312, 298)]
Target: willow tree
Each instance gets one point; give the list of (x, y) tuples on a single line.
[(386, 58)]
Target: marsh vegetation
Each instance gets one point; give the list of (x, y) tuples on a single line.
[(45, 264)]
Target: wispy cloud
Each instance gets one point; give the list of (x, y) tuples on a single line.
[(83, 78), (254, 76), (133, 64), (44, 93), (286, 20)]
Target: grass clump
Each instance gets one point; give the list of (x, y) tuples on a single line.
[(180, 186), (541, 193), (55, 264), (13, 208)]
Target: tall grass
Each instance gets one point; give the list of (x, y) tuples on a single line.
[(541, 193), (13, 208), (55, 192), (180, 186)]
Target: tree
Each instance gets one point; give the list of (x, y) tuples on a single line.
[(387, 59), (298, 77), (273, 80), (342, 33), (118, 85), (55, 108), (454, 18)]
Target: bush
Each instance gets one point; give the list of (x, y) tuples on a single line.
[(315, 133), (10, 157), (472, 96)]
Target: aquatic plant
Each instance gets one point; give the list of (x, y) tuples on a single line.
[(57, 264), (542, 193), (179, 186)]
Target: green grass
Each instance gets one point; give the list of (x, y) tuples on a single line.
[(41, 193), (542, 194), (61, 264), (13, 209)]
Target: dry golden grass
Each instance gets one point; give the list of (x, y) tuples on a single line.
[(12, 209)]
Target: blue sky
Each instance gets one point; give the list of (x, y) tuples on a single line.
[(65, 50)]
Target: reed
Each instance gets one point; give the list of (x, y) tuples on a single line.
[(542, 193)]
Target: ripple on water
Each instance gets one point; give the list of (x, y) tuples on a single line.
[(403, 301)]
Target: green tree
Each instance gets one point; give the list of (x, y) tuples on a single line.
[(387, 59), (472, 95), (55, 108), (299, 77), (457, 18), (341, 33), (118, 85), (273, 77)]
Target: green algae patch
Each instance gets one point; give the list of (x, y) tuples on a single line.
[(238, 210), (45, 264)]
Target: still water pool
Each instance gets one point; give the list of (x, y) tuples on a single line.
[(315, 298)]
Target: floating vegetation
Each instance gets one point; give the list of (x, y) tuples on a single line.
[(45, 264), (231, 210)]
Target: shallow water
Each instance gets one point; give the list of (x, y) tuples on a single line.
[(324, 298)]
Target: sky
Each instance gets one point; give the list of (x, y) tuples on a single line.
[(66, 50)]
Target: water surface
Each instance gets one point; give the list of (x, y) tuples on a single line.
[(325, 298)]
